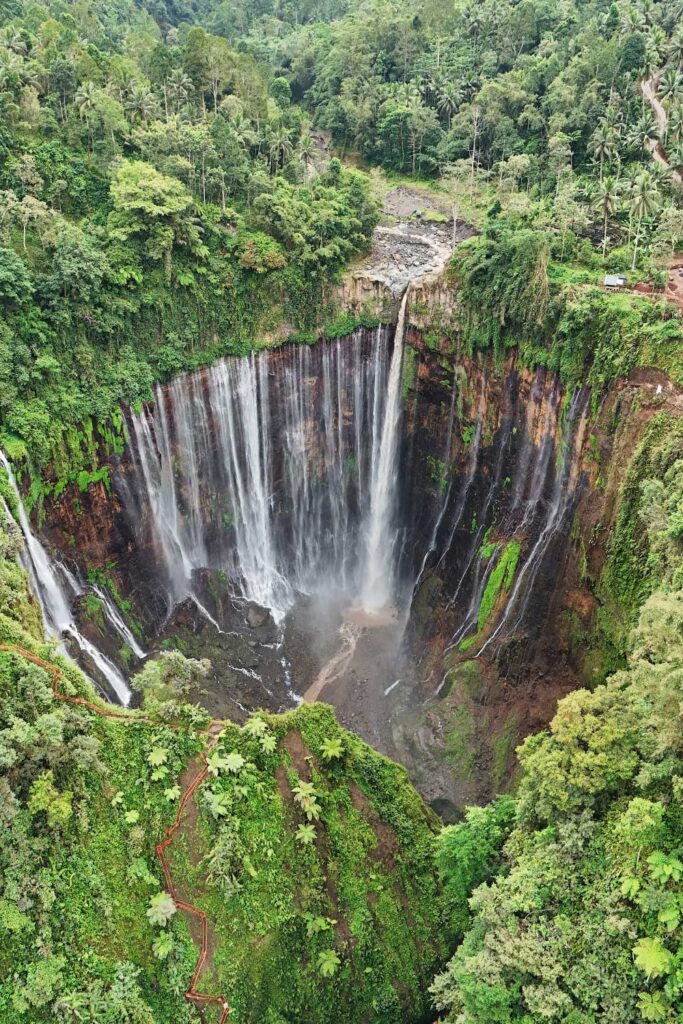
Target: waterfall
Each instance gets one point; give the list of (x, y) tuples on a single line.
[(117, 623), (555, 520), (277, 469), (44, 577), (377, 589)]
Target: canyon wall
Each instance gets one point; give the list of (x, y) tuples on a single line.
[(250, 481)]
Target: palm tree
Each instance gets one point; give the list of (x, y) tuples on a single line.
[(644, 203), (448, 100), (306, 151), (141, 102), (650, 63), (12, 39), (632, 20), (670, 85), (604, 144), (179, 87), (676, 158), (612, 117), (244, 132), (405, 92), (675, 51), (675, 123), (606, 203), (642, 132), (280, 148), (84, 101)]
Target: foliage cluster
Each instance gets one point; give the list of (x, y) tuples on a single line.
[(321, 857), (510, 294), (158, 207), (583, 922), (312, 855)]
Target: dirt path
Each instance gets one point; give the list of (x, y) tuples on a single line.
[(191, 782), (649, 87), (674, 284)]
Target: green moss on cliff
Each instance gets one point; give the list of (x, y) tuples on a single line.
[(630, 575), (500, 580)]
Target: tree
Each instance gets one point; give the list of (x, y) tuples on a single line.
[(161, 909), (306, 151), (169, 677), (179, 88), (78, 265), (642, 133), (142, 103), (448, 100), (153, 209), (604, 144), (85, 101), (280, 148), (606, 203), (46, 797), (670, 85), (644, 203)]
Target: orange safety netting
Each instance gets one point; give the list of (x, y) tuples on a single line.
[(189, 908)]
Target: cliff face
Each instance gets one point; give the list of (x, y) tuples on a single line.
[(507, 490)]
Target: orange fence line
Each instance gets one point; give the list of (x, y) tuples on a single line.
[(188, 908)]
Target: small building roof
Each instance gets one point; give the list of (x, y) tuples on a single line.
[(615, 280)]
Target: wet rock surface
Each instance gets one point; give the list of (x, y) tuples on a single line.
[(415, 240)]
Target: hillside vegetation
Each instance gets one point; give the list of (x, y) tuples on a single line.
[(166, 198), (311, 854)]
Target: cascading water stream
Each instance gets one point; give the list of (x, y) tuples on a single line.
[(278, 470), (54, 603), (377, 590), (563, 495)]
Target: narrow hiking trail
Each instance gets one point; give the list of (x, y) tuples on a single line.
[(649, 88), (196, 780)]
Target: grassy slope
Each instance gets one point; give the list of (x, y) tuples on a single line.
[(73, 899)]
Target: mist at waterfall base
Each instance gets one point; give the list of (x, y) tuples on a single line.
[(277, 476)]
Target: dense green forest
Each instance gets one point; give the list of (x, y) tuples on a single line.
[(160, 207), (157, 209), (167, 197)]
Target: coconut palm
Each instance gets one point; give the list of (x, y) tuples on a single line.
[(676, 158), (612, 117), (448, 100), (178, 88), (14, 40), (604, 143), (670, 86), (606, 202), (642, 132), (650, 62), (405, 92), (675, 51), (675, 123), (142, 103), (244, 132), (306, 151), (84, 101), (632, 20), (644, 203), (280, 148)]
